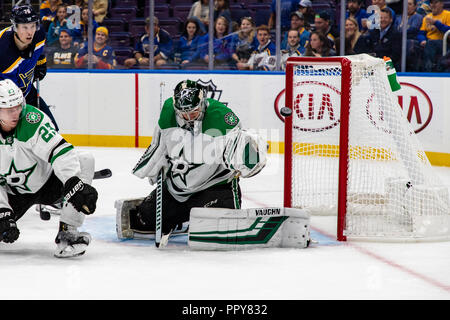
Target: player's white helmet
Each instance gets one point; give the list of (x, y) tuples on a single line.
[(10, 95), (189, 101)]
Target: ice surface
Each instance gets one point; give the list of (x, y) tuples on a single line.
[(135, 269)]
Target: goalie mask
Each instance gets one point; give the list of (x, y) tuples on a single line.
[(189, 102)]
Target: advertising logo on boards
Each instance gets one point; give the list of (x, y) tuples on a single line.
[(316, 106), (212, 91)]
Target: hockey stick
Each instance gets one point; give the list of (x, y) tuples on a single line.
[(45, 215), (102, 174), (159, 186)]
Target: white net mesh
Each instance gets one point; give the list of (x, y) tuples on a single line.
[(392, 191)]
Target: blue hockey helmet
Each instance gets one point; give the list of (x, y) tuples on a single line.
[(24, 14)]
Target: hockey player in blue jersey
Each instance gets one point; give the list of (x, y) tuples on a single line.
[(22, 58)]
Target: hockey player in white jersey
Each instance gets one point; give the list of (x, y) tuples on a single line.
[(38, 166), (199, 143)]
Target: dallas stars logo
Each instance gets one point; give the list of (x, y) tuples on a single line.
[(17, 179), (33, 117), (181, 168), (187, 96), (231, 119)]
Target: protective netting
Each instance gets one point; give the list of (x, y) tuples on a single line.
[(392, 191)]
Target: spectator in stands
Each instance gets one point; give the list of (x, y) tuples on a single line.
[(59, 23), (80, 36), (200, 11), (386, 41), (244, 42), (162, 47), (47, 11), (103, 54), (62, 55), (396, 5), (222, 8), (431, 34), (187, 46), (99, 9), (305, 7), (287, 7), (264, 57), (319, 46), (292, 48), (297, 23), (355, 41), (423, 7), (414, 22), (323, 24), (222, 44), (355, 10), (382, 5)]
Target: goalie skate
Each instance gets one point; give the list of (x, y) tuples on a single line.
[(123, 225), (71, 243)]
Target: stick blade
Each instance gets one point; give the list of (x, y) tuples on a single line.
[(102, 174)]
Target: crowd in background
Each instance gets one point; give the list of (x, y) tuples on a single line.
[(243, 40)]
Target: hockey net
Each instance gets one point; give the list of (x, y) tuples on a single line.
[(350, 151)]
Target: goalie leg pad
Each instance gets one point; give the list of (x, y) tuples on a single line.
[(124, 229), (123, 225), (231, 229)]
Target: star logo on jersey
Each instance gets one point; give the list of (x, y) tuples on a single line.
[(181, 168), (16, 178)]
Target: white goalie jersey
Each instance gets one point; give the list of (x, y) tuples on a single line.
[(216, 151)]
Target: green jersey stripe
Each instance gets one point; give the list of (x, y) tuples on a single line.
[(63, 151)]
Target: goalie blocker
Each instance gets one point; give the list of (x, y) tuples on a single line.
[(230, 229)]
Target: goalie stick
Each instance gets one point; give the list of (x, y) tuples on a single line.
[(158, 215)]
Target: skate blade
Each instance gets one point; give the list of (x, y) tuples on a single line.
[(71, 251)]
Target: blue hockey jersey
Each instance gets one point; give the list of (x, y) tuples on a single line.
[(19, 65)]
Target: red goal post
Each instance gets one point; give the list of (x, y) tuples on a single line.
[(350, 151)]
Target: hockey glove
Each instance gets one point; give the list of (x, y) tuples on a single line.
[(244, 152), (40, 71), (8, 228), (82, 196)]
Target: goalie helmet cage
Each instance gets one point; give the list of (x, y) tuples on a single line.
[(350, 151)]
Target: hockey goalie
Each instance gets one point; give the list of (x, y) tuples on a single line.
[(203, 151)]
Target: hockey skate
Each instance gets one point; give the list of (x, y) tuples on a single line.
[(126, 212), (70, 242)]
